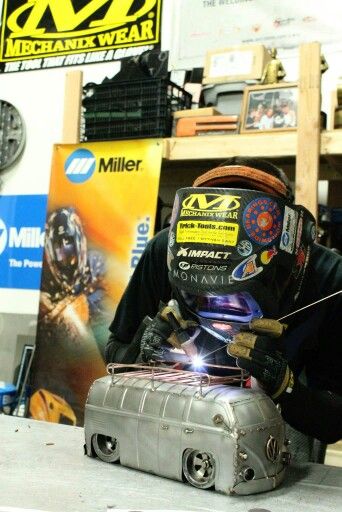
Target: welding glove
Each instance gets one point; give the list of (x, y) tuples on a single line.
[(166, 330), (260, 352)]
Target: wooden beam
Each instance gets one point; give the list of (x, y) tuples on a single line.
[(72, 107), (262, 145), (308, 131)]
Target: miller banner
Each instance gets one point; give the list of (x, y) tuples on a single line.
[(100, 215), (21, 240), (44, 34)]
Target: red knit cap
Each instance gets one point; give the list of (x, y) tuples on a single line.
[(249, 176)]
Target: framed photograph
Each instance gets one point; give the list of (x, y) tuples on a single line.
[(269, 108)]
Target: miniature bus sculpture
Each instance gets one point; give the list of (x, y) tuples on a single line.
[(187, 426)]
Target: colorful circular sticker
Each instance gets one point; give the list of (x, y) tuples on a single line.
[(262, 220)]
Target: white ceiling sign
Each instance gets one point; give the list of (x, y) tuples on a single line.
[(201, 25)]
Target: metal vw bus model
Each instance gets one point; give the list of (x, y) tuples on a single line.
[(187, 426)]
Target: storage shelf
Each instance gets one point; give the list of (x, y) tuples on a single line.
[(262, 145)]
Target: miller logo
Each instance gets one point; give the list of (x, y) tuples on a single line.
[(38, 28), (25, 237), (3, 236), (80, 165), (211, 202)]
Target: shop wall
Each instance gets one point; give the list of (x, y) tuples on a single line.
[(39, 97)]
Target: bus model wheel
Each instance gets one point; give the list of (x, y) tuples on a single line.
[(199, 468), (106, 447)]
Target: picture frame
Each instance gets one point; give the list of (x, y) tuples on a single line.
[(267, 108)]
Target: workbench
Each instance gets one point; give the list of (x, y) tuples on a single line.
[(43, 467)]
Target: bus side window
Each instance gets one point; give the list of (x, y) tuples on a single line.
[(113, 397), (267, 408), (152, 403), (248, 413), (174, 407), (132, 399)]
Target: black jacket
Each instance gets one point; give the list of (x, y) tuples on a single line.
[(313, 338)]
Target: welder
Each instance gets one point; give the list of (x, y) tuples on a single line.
[(238, 280)]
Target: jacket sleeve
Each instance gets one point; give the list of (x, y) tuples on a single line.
[(316, 413), (315, 405), (147, 287)]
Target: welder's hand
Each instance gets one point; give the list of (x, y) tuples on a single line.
[(153, 338), (166, 330), (260, 352)]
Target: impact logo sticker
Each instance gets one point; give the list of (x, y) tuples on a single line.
[(80, 166), (246, 269), (262, 220), (200, 253)]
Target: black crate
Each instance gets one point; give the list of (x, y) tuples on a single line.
[(132, 109)]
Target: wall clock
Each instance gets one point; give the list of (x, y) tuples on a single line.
[(12, 134)]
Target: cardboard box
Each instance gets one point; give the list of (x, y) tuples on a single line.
[(204, 125), (246, 62), (196, 112)]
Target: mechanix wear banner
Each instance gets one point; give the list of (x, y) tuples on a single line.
[(54, 33)]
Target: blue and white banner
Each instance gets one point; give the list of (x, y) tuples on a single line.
[(22, 225)]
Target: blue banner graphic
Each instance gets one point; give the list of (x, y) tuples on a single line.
[(22, 220)]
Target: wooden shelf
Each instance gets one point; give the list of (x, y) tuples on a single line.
[(258, 145)]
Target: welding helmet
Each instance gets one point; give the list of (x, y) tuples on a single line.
[(237, 253), (65, 247)]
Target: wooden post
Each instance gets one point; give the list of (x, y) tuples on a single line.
[(72, 107), (308, 123)]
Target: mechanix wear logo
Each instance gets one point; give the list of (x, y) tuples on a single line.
[(211, 205), (43, 29)]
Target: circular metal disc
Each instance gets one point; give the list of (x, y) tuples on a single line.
[(12, 134)]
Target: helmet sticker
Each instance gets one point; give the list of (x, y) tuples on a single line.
[(172, 238), (174, 213), (184, 265), (246, 269), (299, 231), (262, 220), (207, 232), (287, 239), (186, 252), (244, 248), (169, 258), (266, 256), (210, 205)]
